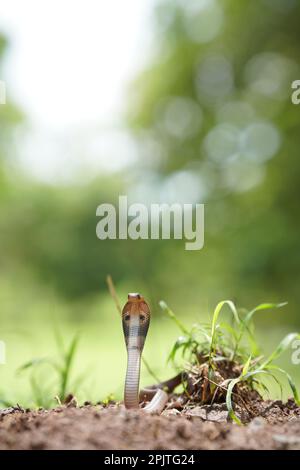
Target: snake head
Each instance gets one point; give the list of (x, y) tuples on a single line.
[(136, 320)]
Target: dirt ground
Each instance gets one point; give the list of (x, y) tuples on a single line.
[(275, 426)]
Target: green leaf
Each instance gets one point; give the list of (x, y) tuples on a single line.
[(260, 307), (290, 380), (245, 325), (180, 342), (150, 371), (264, 372), (215, 319), (59, 339), (218, 310), (255, 351), (263, 386), (66, 370), (281, 348), (202, 331), (246, 367), (231, 384), (230, 388), (172, 315), (33, 363), (229, 329)]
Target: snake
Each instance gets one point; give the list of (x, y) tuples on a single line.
[(136, 320)]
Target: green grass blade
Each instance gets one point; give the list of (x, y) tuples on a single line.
[(262, 385), (59, 339), (264, 306), (229, 329), (181, 342), (33, 363), (218, 310), (172, 315), (202, 331), (150, 371), (264, 372), (215, 319), (245, 326), (246, 367), (230, 388), (290, 381), (231, 384), (255, 350), (65, 374), (4, 403), (281, 348)]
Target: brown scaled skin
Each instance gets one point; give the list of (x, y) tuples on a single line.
[(136, 320)]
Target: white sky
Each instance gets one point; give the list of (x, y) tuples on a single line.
[(68, 67)]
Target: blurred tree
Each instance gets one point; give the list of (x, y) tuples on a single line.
[(214, 123), (215, 102), (10, 117)]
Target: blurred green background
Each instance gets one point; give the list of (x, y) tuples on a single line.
[(211, 120)]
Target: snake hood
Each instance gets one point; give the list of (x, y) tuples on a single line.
[(136, 321)]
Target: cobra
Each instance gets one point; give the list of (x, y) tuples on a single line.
[(136, 320)]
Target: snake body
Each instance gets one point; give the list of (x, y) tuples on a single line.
[(136, 319)]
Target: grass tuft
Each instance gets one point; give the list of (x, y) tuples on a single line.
[(44, 393), (223, 361)]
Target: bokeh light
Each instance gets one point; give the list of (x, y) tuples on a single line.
[(203, 20), (214, 78)]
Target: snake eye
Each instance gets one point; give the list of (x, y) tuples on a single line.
[(127, 317), (142, 317)]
